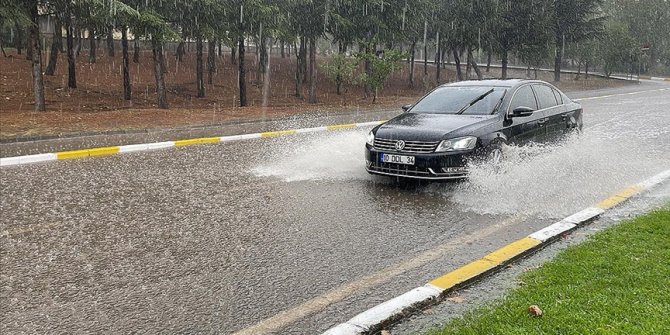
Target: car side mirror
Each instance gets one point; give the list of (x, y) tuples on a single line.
[(406, 108), (522, 111)]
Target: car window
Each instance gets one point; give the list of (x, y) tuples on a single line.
[(558, 96), (545, 96), (523, 97), (452, 99)]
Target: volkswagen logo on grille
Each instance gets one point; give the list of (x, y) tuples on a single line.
[(400, 145)]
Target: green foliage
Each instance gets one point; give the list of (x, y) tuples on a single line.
[(340, 69), (618, 48), (152, 24), (380, 67)]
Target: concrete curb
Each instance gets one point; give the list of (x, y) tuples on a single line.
[(375, 318), (107, 151), (655, 78)]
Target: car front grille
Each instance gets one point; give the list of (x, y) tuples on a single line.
[(416, 147), (410, 171)]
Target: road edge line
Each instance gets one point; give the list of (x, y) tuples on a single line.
[(112, 150), (390, 311)]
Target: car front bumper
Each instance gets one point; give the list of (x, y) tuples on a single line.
[(432, 166)]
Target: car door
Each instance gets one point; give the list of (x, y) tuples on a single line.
[(524, 129), (553, 111)]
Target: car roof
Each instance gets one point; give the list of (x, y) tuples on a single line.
[(491, 82)]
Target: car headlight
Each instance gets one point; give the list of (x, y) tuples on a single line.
[(370, 139), (457, 144)]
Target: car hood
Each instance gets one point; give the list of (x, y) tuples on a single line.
[(430, 127)]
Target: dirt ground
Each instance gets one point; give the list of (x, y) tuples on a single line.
[(97, 104)]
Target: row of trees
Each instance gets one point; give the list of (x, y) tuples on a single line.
[(532, 30)]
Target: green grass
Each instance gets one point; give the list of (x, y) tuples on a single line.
[(617, 282)]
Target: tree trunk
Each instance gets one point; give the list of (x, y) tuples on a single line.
[(488, 62), (504, 64), (136, 51), (475, 67), (262, 55), (29, 45), (79, 47), (368, 70), (2, 47), (266, 78), (232, 55), (157, 50), (586, 70), (438, 66), (127, 91), (468, 66), (220, 48), (411, 64), (338, 77), (242, 73), (437, 58), (38, 80), (161, 57), (179, 55), (579, 70), (457, 60), (18, 42), (55, 48), (303, 51), (200, 80), (558, 59), (312, 70), (71, 67), (298, 73), (283, 53), (211, 61), (425, 48), (91, 47), (110, 41), (425, 60)]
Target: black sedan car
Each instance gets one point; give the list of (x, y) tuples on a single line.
[(436, 137)]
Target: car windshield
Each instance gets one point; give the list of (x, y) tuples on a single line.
[(455, 99)]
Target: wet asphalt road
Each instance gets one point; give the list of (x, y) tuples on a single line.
[(284, 235)]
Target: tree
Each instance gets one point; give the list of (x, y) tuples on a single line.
[(341, 70), (152, 23), (380, 68), (618, 48), (574, 20)]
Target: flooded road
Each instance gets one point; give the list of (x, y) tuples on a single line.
[(286, 235)]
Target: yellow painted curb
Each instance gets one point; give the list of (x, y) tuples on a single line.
[(278, 133), (512, 250), (72, 154), (104, 151), (193, 141), (619, 197), (341, 126), (463, 274)]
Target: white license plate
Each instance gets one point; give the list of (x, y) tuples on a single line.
[(397, 159)]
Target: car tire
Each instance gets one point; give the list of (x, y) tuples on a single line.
[(496, 155)]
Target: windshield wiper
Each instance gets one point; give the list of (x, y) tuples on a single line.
[(474, 101), (499, 102)]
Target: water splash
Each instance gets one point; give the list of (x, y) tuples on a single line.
[(553, 181), (325, 156)]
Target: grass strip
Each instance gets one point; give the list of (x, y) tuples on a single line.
[(617, 282)]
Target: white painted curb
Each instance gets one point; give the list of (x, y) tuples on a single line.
[(385, 313), (19, 160)]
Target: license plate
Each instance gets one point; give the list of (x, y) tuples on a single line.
[(397, 159)]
